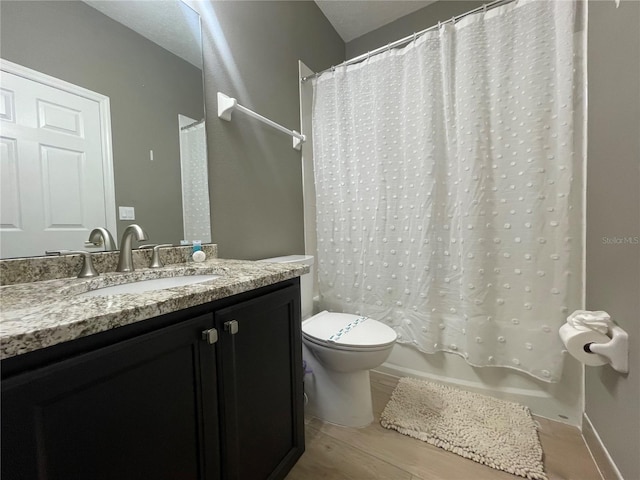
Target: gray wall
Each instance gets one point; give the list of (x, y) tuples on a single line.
[(414, 22), (147, 86), (251, 51), (613, 210)]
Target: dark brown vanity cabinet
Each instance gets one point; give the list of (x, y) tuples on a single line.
[(140, 408), (263, 341), (164, 398)]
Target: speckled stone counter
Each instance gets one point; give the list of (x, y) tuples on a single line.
[(34, 269), (40, 314)]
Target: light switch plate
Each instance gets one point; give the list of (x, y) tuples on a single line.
[(127, 213)]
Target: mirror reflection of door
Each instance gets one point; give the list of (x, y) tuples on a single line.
[(55, 171)]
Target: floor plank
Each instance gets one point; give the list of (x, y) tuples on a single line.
[(566, 455), (328, 458), (374, 452)]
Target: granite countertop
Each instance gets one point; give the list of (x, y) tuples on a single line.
[(40, 314)]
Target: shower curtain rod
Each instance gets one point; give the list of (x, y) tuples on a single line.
[(409, 38)]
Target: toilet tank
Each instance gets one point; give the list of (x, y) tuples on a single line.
[(306, 280)]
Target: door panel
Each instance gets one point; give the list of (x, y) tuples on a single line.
[(60, 119), (62, 187), (7, 105), (9, 191)]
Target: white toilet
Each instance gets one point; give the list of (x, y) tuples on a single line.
[(339, 349)]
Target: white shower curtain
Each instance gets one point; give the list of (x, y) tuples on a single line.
[(449, 179), (195, 183)]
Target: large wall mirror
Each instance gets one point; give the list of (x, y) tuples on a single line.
[(145, 58)]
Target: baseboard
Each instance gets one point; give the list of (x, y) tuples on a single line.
[(601, 457)]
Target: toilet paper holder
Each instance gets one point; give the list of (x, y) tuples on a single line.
[(616, 350)]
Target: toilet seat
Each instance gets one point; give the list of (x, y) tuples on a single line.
[(344, 331), (334, 346)]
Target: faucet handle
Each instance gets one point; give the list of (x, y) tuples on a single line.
[(87, 270), (58, 252), (155, 258), (149, 245)]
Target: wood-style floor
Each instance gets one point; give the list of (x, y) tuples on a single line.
[(374, 452)]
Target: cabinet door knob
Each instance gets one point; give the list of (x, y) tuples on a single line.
[(211, 336), (231, 327)]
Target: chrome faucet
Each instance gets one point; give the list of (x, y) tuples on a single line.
[(100, 236), (125, 261)]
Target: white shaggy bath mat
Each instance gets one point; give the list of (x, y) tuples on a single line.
[(493, 432)]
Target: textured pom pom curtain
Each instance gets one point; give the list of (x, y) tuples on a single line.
[(449, 185)]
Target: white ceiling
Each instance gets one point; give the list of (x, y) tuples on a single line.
[(353, 18)]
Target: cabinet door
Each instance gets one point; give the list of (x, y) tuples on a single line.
[(143, 408), (260, 385)]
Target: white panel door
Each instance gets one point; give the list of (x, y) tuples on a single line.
[(52, 191)]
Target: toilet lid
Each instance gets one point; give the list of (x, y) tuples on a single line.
[(348, 330)]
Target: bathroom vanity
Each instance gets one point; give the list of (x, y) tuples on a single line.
[(209, 387)]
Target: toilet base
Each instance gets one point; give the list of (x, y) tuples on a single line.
[(335, 397)]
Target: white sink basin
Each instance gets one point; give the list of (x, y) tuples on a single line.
[(149, 285)]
